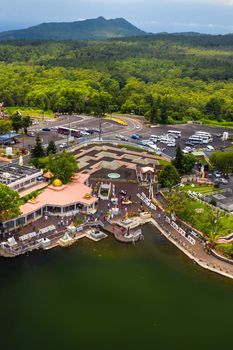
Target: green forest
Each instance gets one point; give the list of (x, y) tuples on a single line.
[(167, 78)]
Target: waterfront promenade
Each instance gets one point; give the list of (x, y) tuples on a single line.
[(196, 252)]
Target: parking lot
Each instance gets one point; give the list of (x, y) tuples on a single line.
[(186, 131), (110, 131)]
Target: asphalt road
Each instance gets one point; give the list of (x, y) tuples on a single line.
[(111, 129)]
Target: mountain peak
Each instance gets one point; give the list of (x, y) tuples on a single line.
[(90, 29)]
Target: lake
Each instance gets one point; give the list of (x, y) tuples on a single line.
[(108, 295)]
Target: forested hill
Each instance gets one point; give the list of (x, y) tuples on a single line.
[(91, 29), (167, 78)]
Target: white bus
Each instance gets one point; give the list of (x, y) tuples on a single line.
[(154, 148), (174, 132), (195, 139), (154, 137), (165, 139), (204, 134)]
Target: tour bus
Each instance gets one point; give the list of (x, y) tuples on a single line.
[(154, 137), (174, 132), (204, 134), (195, 139), (167, 139), (67, 131), (154, 148)]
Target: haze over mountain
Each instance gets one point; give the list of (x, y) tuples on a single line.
[(90, 29)]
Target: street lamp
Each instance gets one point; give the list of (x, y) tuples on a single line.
[(100, 133)]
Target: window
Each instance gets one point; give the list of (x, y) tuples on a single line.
[(20, 222)]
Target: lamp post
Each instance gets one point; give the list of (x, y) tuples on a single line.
[(69, 132), (100, 133)]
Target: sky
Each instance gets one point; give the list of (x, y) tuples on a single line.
[(204, 16)]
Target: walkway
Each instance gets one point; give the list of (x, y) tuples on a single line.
[(196, 252)]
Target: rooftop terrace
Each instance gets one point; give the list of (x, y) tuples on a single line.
[(10, 173)]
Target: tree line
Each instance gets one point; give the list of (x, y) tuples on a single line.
[(166, 78)]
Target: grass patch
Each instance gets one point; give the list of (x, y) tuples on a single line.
[(229, 148), (136, 148), (203, 217), (32, 112), (215, 123), (227, 249), (199, 188), (163, 162), (29, 196)]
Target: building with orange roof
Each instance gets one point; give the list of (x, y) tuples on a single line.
[(146, 173), (56, 199)]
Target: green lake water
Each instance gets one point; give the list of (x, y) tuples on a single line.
[(108, 295)]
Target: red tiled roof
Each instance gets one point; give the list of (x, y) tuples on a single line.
[(65, 195)]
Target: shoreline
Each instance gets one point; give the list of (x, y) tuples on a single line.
[(198, 261), (167, 233)]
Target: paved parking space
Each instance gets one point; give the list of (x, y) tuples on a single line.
[(186, 131), (111, 129)]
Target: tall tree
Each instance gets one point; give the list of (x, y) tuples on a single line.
[(51, 148), (63, 166), (175, 202), (26, 122), (17, 121), (169, 177), (38, 150), (188, 163), (9, 203), (214, 107), (222, 161), (5, 126), (178, 160)]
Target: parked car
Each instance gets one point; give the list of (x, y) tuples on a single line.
[(210, 148), (141, 143), (46, 129), (189, 143), (140, 136), (185, 151), (123, 138), (135, 137), (62, 146), (31, 134), (217, 174), (222, 181)]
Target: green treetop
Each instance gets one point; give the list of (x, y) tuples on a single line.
[(178, 160), (222, 161), (184, 163), (9, 203), (38, 150), (63, 166), (19, 122), (51, 148), (169, 176), (5, 126)]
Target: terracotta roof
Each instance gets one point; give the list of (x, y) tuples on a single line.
[(48, 175), (146, 169), (62, 196)]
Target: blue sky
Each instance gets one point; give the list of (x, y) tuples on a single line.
[(206, 16)]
